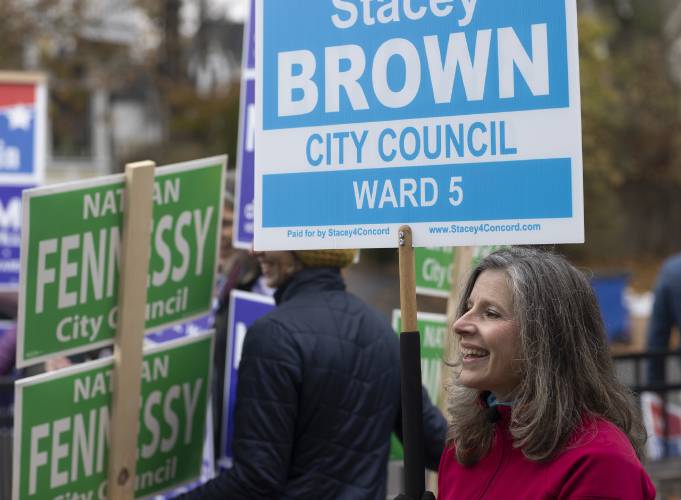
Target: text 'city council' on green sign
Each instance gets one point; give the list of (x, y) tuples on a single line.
[(70, 257), (61, 424)]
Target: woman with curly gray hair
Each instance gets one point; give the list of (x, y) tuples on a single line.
[(535, 407)]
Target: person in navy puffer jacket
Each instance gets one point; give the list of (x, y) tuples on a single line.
[(318, 392)]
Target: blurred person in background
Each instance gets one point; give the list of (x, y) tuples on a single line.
[(665, 315), (535, 408), (238, 270), (318, 393)]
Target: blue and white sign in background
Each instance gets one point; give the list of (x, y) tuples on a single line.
[(245, 158), (244, 309), (23, 110), (10, 235), (460, 118)]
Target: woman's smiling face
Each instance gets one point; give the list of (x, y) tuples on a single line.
[(489, 337)]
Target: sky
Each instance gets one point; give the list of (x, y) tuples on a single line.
[(236, 9), (232, 9)]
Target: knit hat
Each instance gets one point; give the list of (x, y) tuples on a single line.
[(326, 258)]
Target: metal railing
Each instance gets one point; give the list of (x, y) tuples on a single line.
[(655, 372)]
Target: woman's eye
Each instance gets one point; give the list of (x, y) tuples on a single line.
[(492, 313)]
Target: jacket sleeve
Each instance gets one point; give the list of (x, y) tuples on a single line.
[(265, 416), (434, 431), (659, 328), (605, 475)]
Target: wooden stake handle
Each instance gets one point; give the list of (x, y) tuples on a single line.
[(407, 280), (132, 299), (410, 372)]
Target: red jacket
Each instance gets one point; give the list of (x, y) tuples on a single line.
[(599, 463)]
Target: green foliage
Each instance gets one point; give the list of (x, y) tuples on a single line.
[(207, 123), (630, 125), (196, 126)]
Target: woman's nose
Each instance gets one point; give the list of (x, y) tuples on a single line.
[(463, 325)]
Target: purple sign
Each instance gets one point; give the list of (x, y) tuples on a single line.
[(10, 235), (249, 39), (244, 309), (245, 161), (243, 216), (198, 325)]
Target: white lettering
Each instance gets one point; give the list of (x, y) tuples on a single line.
[(45, 275), (288, 82), (512, 54), (472, 74), (335, 78), (38, 458), (201, 231), (351, 11), (404, 49), (190, 401)]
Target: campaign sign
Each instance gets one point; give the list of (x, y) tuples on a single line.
[(434, 270), (655, 412), (68, 300), (433, 329), (10, 235), (244, 309), (245, 158), (460, 118), (61, 424), (180, 330), (192, 328), (243, 212), (480, 253), (23, 109)]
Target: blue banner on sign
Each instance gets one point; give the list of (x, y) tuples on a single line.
[(244, 309), (10, 235), (531, 189), (351, 61), (17, 134)]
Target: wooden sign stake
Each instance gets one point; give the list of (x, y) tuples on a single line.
[(132, 299), (410, 372)]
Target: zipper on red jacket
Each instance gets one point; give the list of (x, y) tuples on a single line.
[(502, 459)]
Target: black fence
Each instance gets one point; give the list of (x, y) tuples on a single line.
[(658, 373)]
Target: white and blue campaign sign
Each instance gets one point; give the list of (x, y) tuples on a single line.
[(188, 329), (10, 235), (245, 160), (460, 118), (23, 109), (244, 309)]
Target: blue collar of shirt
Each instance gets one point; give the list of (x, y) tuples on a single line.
[(492, 401)]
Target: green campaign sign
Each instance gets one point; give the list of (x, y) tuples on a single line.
[(61, 425), (434, 267), (481, 252), (434, 270), (433, 332), (70, 253)]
